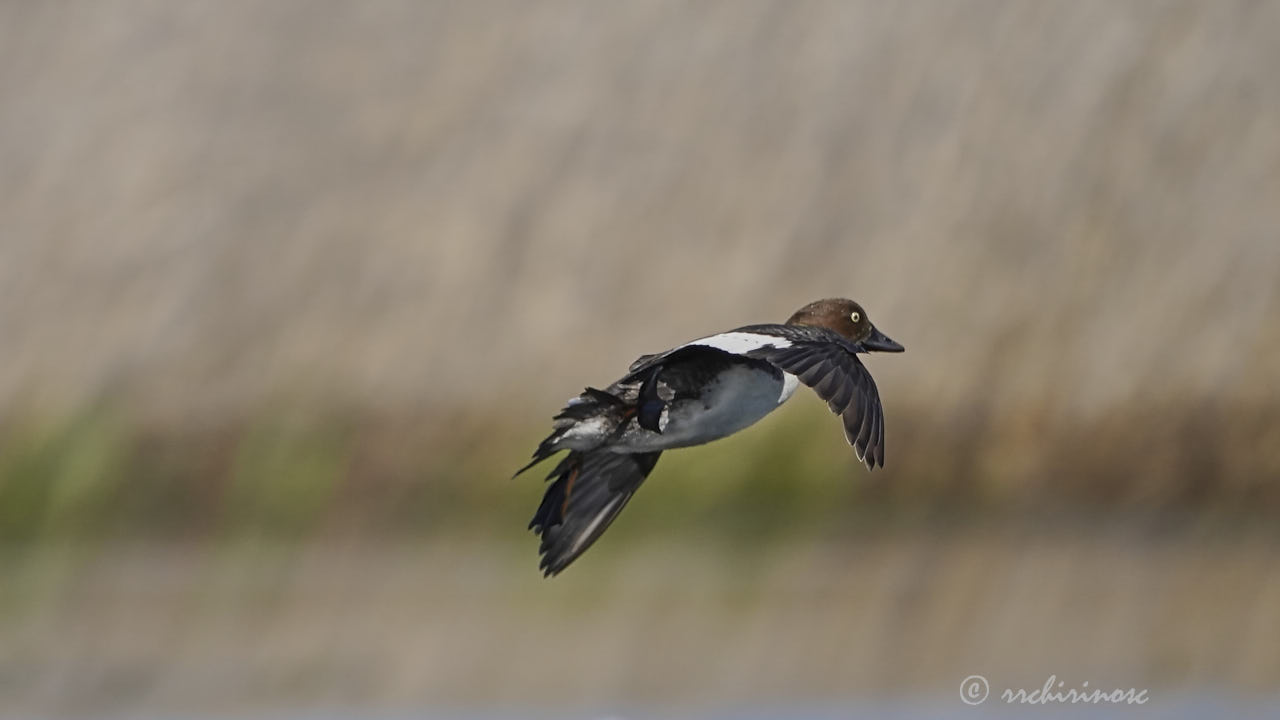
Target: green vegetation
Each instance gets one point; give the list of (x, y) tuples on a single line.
[(293, 474)]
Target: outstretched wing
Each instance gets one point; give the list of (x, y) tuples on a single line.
[(833, 370), (589, 491)]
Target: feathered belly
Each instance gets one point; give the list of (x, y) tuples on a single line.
[(733, 400)]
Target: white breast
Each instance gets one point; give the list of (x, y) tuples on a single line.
[(736, 399)]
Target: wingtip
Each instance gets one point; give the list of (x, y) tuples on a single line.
[(869, 462), (548, 570), (549, 565), (870, 457)]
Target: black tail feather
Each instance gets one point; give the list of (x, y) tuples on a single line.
[(589, 491), (591, 403), (546, 449)]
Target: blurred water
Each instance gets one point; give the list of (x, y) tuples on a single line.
[(1179, 706), (458, 628)]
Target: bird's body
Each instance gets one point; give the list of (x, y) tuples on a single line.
[(701, 395), (695, 393)]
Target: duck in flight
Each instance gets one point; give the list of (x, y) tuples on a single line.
[(695, 393)]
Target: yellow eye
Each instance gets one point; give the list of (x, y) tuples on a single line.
[(856, 317)]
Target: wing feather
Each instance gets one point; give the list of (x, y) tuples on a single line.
[(828, 365), (589, 491)]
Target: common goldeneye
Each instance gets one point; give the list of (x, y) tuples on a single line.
[(698, 392)]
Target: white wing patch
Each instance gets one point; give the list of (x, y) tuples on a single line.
[(740, 342)]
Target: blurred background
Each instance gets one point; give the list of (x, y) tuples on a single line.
[(288, 290)]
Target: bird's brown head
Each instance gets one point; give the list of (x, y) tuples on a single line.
[(847, 318)]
